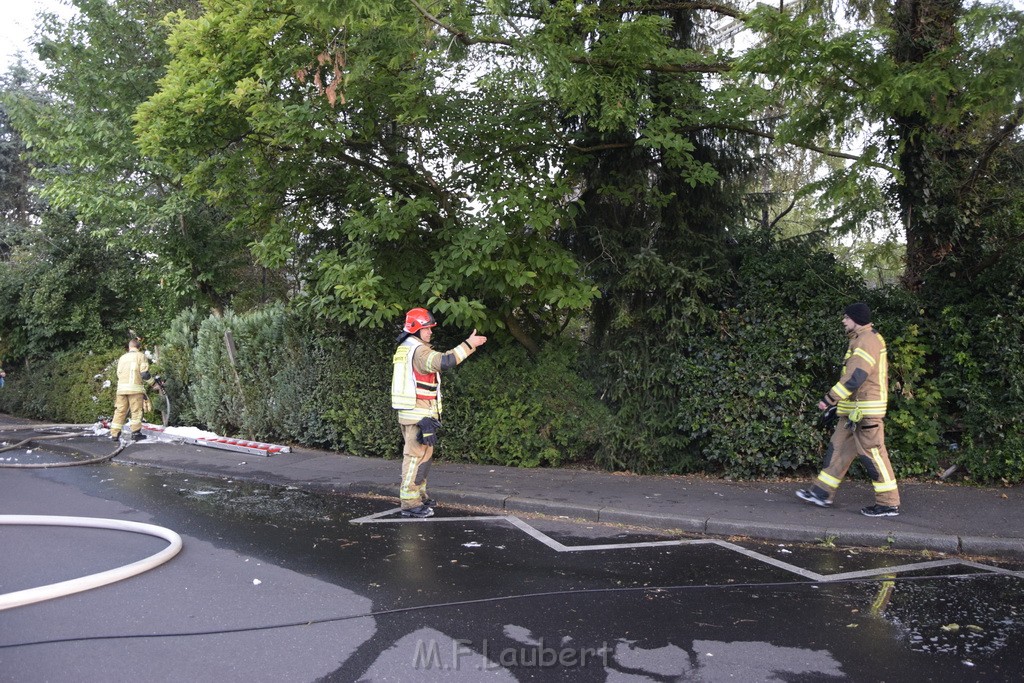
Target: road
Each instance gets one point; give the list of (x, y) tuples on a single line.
[(278, 584)]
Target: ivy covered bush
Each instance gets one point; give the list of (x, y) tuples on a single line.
[(739, 395), (507, 408), (981, 381)]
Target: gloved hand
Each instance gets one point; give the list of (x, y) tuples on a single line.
[(828, 416), (429, 428), (160, 382)]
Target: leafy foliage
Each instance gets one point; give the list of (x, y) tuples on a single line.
[(18, 206), (73, 388), (176, 353), (61, 289), (301, 382), (739, 394), (574, 179), (216, 391), (938, 104), (100, 65), (508, 409)]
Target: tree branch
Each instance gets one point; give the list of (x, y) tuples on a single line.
[(802, 145), (459, 35), (521, 336), (997, 140), (741, 129), (713, 68), (720, 67), (778, 218), (719, 8), (601, 148)]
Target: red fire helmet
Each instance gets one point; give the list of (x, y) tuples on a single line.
[(417, 319)]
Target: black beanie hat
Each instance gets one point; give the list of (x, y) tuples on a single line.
[(859, 313)]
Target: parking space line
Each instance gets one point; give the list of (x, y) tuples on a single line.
[(538, 535)]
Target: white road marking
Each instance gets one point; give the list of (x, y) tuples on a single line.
[(383, 518)]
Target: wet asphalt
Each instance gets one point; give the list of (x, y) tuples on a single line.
[(950, 518), (469, 598), (296, 582)]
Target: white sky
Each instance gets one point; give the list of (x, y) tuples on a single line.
[(18, 24)]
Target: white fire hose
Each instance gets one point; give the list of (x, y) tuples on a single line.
[(56, 590)]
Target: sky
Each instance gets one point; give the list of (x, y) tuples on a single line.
[(18, 25)]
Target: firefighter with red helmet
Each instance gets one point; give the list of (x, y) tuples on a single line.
[(416, 395)]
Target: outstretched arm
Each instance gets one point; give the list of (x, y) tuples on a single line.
[(435, 361)]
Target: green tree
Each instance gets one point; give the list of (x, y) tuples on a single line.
[(475, 157), (357, 160), (18, 206), (930, 90), (99, 65), (63, 289)]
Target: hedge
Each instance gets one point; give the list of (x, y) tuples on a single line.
[(735, 396)]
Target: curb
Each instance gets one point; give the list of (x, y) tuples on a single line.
[(880, 537)]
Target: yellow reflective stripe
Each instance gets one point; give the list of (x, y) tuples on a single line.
[(433, 362), (841, 391), (887, 483), (865, 355), (828, 480), (407, 490), (417, 414), (884, 593), (867, 408), (461, 353), (126, 388), (883, 374)]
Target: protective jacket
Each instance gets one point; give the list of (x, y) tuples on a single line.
[(862, 391), (133, 373), (416, 378)]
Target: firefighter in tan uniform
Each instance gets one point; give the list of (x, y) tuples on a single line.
[(860, 398), (416, 395), (132, 379)]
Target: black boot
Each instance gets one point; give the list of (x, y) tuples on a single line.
[(419, 511)]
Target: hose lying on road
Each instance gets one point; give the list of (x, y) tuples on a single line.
[(56, 590), (68, 463), (23, 427)]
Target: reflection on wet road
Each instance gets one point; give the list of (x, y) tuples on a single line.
[(469, 599)]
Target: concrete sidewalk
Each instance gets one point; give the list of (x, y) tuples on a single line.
[(940, 517)]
